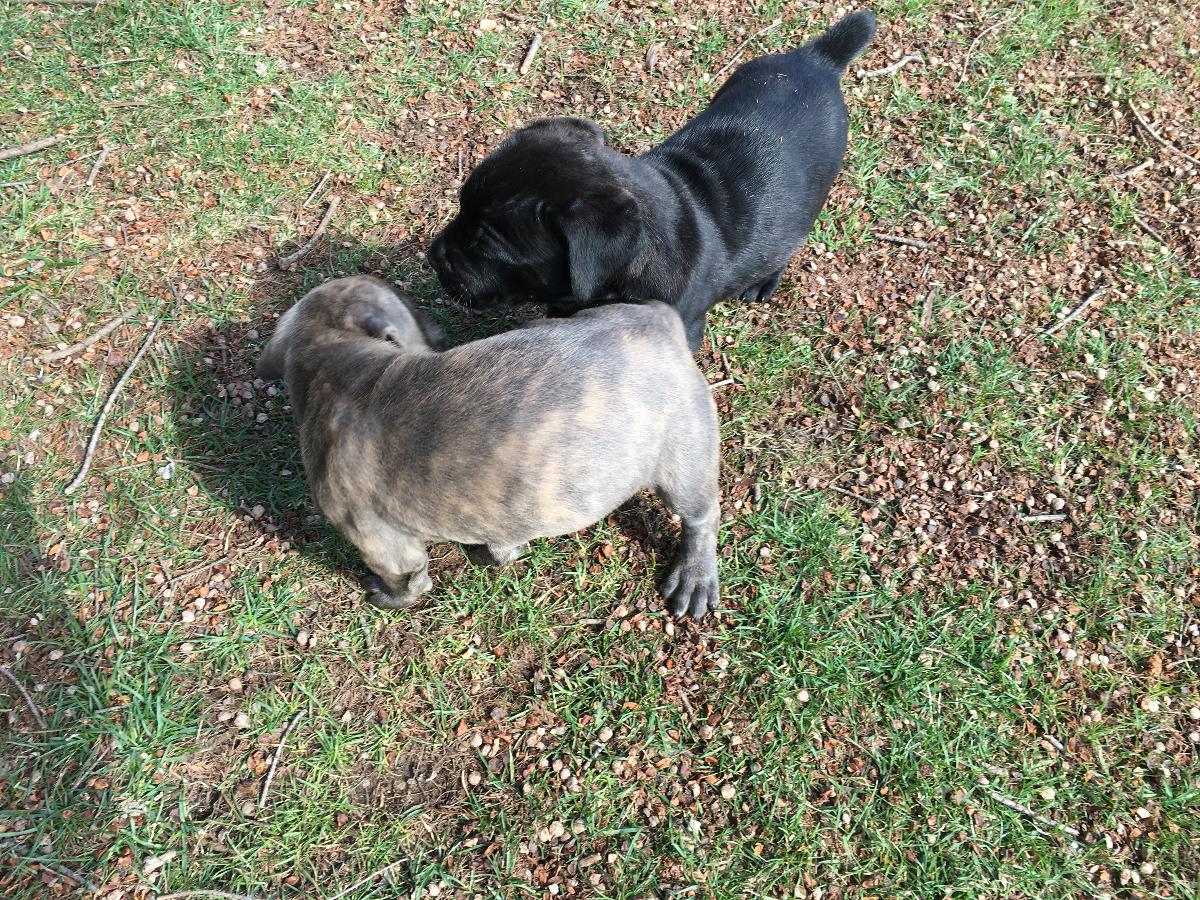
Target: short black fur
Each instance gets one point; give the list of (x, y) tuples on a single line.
[(717, 210)]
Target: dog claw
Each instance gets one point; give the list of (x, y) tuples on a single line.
[(692, 588)]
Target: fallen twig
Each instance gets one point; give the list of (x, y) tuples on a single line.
[(894, 67), (125, 60), (262, 796), (378, 873), (1036, 816), (720, 384), (1149, 229), (33, 707), (1162, 141), (1046, 517), (848, 493), (112, 396), (1140, 167), (216, 895), (975, 43), (291, 258), (906, 241), (320, 186), (31, 147), (1077, 311), (54, 355), (96, 166), (743, 45), (28, 855), (534, 46), (651, 58), (927, 311)]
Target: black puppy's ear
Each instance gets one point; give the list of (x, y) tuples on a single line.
[(604, 236)]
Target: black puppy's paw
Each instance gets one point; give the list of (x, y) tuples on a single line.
[(692, 588), (763, 291)]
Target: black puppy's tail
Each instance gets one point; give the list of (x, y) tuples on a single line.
[(845, 39)]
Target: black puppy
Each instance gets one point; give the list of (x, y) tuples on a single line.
[(556, 216)]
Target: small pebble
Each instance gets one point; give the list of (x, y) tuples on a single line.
[(235, 685), (728, 791), (474, 779), (802, 696), (1194, 713), (606, 733), (1146, 868), (241, 720), (249, 808), (55, 655), (706, 732), (188, 616), (1048, 793), (302, 639)]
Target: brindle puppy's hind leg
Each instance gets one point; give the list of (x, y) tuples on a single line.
[(687, 482), (399, 566), (484, 555)]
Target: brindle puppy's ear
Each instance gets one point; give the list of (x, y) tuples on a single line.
[(604, 235), (434, 336)]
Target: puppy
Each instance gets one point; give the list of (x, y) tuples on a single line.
[(533, 433), (717, 210)]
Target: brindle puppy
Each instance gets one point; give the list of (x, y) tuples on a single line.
[(533, 433)]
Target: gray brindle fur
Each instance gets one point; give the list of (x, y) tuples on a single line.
[(533, 433)]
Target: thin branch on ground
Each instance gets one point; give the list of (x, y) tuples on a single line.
[(320, 186), (906, 241), (1077, 311), (651, 58), (1036, 816), (291, 259), (1140, 167), (96, 166), (1158, 138), (105, 331), (737, 54), (29, 856), (378, 873), (720, 384), (1047, 517), (534, 46), (927, 311), (25, 695), (975, 43), (31, 147), (108, 403), (275, 757), (894, 67), (849, 493), (216, 895), (1149, 229)]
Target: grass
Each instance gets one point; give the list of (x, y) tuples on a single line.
[(898, 649)]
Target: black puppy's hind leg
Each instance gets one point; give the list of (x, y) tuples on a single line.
[(764, 290), (399, 566)]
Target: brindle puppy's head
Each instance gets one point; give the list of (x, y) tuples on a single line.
[(547, 216), (359, 306)]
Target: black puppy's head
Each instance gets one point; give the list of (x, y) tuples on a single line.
[(360, 306), (547, 216)]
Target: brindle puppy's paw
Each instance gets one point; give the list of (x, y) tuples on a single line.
[(380, 597), (692, 588), (483, 555)]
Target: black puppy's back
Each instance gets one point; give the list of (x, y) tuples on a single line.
[(760, 179)]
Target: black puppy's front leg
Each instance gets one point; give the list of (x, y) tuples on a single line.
[(764, 290)]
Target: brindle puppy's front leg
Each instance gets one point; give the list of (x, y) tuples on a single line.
[(399, 567)]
